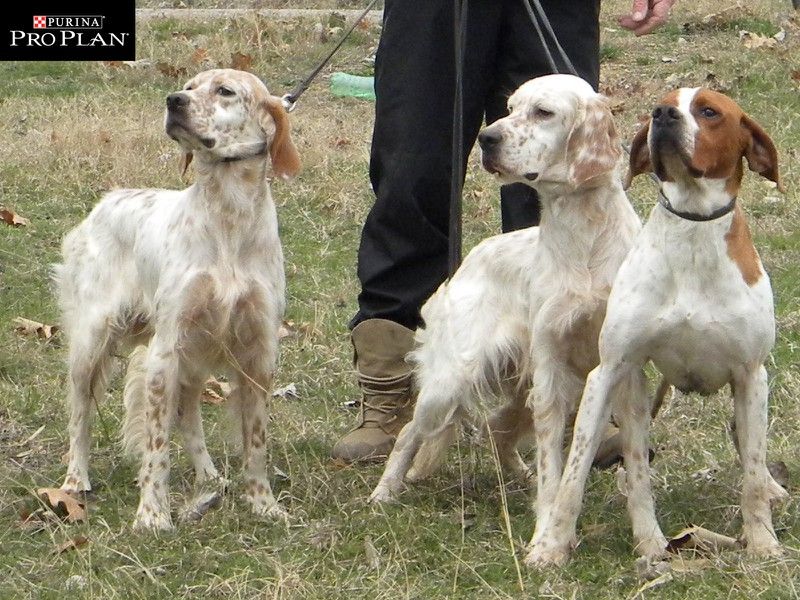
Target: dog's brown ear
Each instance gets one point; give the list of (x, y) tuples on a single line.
[(593, 147), (282, 151), (185, 161), (760, 152), (640, 155)]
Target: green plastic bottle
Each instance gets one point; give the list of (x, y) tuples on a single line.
[(356, 86)]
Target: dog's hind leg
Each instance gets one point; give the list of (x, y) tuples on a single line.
[(194, 440), (432, 425), (508, 426), (431, 454), (91, 346)]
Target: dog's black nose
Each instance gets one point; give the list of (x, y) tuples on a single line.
[(489, 137), (666, 114), (177, 100)]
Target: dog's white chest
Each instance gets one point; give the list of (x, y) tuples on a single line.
[(682, 302)]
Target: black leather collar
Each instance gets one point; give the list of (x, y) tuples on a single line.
[(262, 150), (690, 216)]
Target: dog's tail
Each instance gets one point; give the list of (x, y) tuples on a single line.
[(135, 400)]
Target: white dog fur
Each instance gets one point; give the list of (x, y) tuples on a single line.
[(523, 312), (196, 277)]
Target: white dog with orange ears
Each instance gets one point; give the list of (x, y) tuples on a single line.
[(693, 297), (195, 277), (522, 315)]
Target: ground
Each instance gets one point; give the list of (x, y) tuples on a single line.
[(73, 130)]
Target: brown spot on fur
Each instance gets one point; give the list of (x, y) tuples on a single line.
[(158, 443), (741, 249)]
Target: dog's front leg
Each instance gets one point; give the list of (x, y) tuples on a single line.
[(632, 410), (553, 536), (555, 389), (162, 392), (251, 393), (758, 487)]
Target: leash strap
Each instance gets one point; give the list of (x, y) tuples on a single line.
[(457, 180), (690, 216), (290, 100), (540, 20)]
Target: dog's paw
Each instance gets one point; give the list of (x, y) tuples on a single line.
[(151, 520), (544, 556), (274, 512), (382, 494), (653, 549), (768, 547)]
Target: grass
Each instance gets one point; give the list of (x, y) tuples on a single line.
[(72, 130)]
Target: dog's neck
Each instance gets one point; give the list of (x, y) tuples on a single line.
[(698, 196), (238, 187), (573, 221)]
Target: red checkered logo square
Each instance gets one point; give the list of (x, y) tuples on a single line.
[(39, 22)]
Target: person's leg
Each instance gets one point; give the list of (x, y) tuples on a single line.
[(520, 58), (402, 257)]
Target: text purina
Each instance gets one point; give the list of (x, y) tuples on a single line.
[(75, 22), (66, 37)]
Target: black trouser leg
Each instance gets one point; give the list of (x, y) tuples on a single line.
[(402, 258), (403, 254)]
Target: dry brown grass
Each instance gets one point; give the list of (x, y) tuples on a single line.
[(72, 131)]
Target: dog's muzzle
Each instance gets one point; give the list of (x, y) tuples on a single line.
[(489, 140)]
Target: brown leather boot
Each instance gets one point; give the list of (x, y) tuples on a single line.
[(385, 381)]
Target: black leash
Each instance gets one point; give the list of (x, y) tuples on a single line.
[(457, 178), (290, 100)]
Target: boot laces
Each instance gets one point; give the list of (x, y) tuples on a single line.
[(381, 396)]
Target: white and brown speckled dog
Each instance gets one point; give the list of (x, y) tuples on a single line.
[(522, 314), (196, 276)]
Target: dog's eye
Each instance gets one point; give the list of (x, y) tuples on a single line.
[(708, 112), (188, 88), (542, 113), (223, 91)]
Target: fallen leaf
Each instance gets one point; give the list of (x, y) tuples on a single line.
[(241, 62), (72, 543), (25, 326), (138, 64), (288, 391), (699, 538), (170, 70), (648, 570), (796, 74), (655, 583), (113, 64), (221, 389), (9, 217), (209, 396), (754, 41), (680, 564), (63, 504), (200, 55)]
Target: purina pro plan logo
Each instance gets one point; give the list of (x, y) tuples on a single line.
[(91, 30)]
